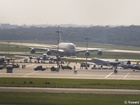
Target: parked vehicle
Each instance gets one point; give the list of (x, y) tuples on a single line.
[(1, 67), (84, 64), (39, 68), (15, 65), (66, 67), (54, 68)]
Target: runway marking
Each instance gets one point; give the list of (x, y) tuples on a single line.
[(108, 75), (31, 73), (126, 75)]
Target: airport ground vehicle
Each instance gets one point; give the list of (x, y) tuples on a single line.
[(55, 68), (135, 67), (12, 65), (1, 67), (39, 68), (15, 65), (84, 64), (66, 67)]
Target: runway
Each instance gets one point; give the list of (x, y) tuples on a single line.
[(69, 90)]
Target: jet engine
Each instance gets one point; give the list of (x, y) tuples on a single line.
[(44, 56), (48, 52), (32, 51), (87, 54), (100, 52)]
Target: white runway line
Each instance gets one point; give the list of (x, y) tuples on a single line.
[(31, 73), (126, 75), (108, 75)]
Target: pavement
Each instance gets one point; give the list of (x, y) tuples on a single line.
[(82, 73), (69, 90)]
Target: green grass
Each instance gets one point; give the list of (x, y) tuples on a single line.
[(64, 99), (70, 83), (108, 46), (113, 55), (11, 48)]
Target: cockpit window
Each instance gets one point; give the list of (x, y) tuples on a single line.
[(71, 46)]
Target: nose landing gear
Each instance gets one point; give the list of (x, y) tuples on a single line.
[(115, 69)]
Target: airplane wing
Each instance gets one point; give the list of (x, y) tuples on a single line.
[(48, 51), (34, 56), (56, 51), (99, 52), (107, 62), (89, 49)]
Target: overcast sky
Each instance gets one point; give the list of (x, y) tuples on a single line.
[(81, 12)]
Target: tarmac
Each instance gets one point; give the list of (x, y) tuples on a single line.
[(82, 73)]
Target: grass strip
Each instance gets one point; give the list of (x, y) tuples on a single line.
[(65, 99), (70, 83)]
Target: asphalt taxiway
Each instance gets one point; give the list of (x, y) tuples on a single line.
[(69, 90)]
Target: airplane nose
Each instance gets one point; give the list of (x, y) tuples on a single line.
[(71, 47)]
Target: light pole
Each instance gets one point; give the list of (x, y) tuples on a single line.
[(17, 48), (87, 42), (58, 41), (8, 48), (87, 53)]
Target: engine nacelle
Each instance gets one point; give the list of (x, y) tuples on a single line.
[(48, 52), (87, 54), (100, 52), (32, 51), (44, 56)]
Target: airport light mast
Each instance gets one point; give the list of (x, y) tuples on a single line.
[(87, 53), (8, 48), (58, 41), (87, 39)]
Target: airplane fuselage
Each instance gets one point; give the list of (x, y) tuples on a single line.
[(68, 48)]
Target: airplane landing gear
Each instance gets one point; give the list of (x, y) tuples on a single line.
[(115, 71)]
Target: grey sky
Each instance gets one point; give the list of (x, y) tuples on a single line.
[(82, 12)]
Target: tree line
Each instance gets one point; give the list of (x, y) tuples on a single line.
[(121, 35)]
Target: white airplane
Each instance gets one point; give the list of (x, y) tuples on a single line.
[(32, 56), (111, 63), (66, 49), (103, 62)]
